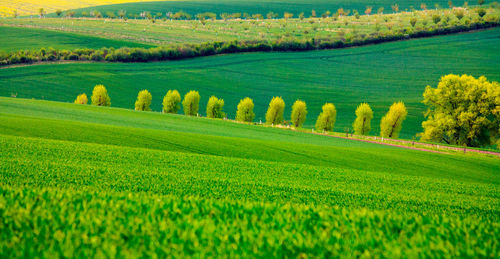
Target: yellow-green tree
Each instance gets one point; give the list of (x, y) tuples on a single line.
[(392, 122), (244, 111), (171, 102), (274, 114), (81, 99), (143, 101), (462, 110), (214, 108), (191, 103), (299, 113), (100, 96), (364, 115), (326, 119)]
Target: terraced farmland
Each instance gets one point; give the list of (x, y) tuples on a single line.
[(343, 77), (208, 198)]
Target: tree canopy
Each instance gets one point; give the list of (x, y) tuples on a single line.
[(299, 113), (214, 108), (143, 101), (81, 99), (274, 114), (462, 110), (171, 102), (191, 103), (326, 119), (100, 96), (392, 122), (244, 111), (364, 115)]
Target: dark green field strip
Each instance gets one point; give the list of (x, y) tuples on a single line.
[(379, 75), (67, 223), (72, 165), (14, 39), (360, 156), (265, 6)]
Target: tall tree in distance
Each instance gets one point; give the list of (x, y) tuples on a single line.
[(191, 103), (392, 122), (274, 114), (214, 108), (100, 96), (171, 102), (364, 115), (143, 101), (462, 110), (299, 113), (244, 112), (81, 99), (326, 119)]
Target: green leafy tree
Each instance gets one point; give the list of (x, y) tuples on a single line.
[(436, 18), (364, 116), (81, 99), (58, 12), (100, 96), (299, 113), (171, 102), (143, 101), (244, 112), (215, 107), (274, 114), (392, 122), (191, 103), (326, 119), (481, 12), (462, 110)]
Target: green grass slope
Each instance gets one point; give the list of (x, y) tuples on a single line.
[(34, 39), (100, 181), (265, 6), (378, 74)]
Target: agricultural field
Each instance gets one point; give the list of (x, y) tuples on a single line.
[(339, 76), (204, 198), (281, 140)]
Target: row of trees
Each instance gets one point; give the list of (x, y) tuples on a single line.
[(181, 15), (462, 110), (390, 125), (177, 52)]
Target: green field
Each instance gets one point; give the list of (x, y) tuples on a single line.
[(34, 39), (345, 77), (180, 185), (258, 6)]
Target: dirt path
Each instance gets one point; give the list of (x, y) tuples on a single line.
[(416, 148)]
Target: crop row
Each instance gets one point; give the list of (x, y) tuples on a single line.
[(72, 165), (68, 223)]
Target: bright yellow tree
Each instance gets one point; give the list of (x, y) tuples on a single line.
[(274, 114), (299, 113), (364, 115), (392, 122), (171, 102), (244, 110), (81, 99), (326, 119), (100, 96), (462, 110), (143, 101)]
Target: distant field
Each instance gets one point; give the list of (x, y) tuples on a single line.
[(378, 74), (181, 182), (264, 6), (35, 39), (31, 7)]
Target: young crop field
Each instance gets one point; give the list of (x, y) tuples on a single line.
[(164, 32), (27, 38), (345, 77), (62, 164)]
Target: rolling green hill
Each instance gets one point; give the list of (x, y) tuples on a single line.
[(378, 74), (34, 39), (257, 6), (96, 180)]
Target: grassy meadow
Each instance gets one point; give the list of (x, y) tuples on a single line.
[(185, 178), (343, 77)]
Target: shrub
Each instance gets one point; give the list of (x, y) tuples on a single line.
[(364, 115), (100, 96), (299, 113), (436, 18), (413, 21), (392, 122), (326, 119), (244, 112), (214, 108), (81, 99), (143, 101), (274, 114), (191, 103), (171, 102)]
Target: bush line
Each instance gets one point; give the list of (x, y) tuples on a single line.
[(185, 51)]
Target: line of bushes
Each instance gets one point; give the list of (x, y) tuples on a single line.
[(177, 52)]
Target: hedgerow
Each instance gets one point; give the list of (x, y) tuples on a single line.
[(176, 52)]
